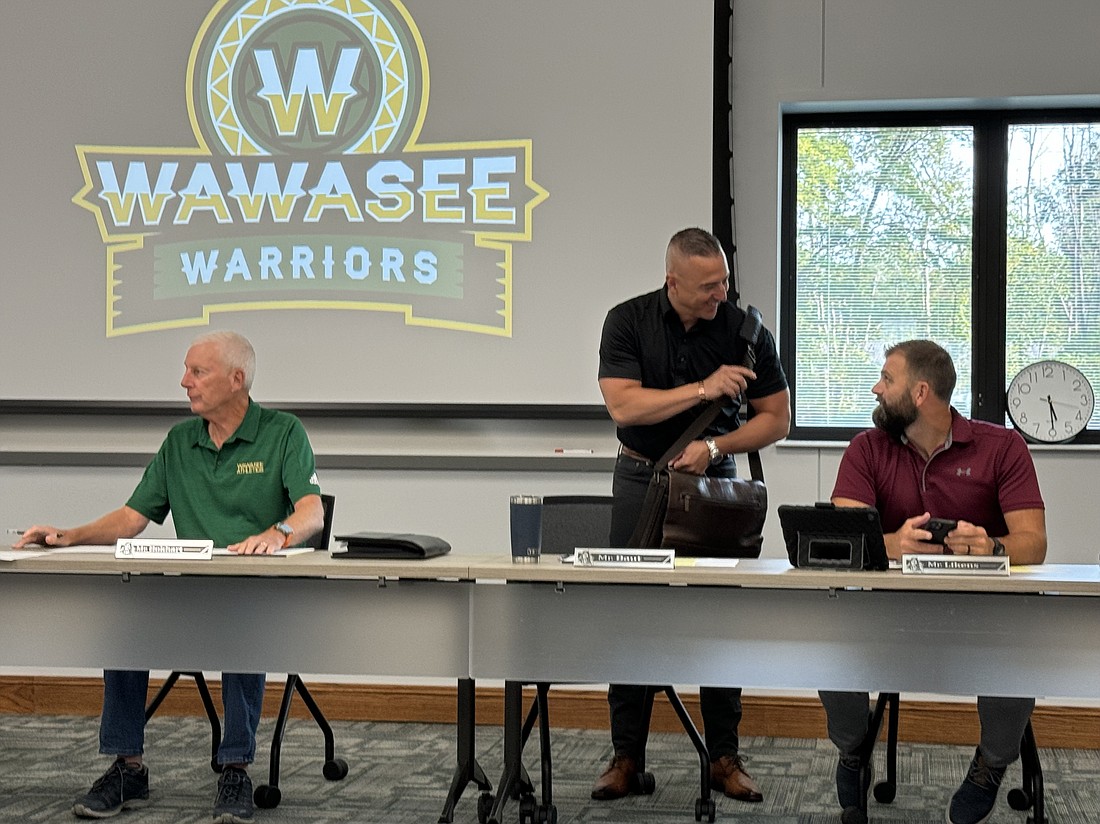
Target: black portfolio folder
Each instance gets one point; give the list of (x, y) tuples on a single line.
[(396, 545)]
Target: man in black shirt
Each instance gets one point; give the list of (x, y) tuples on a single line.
[(662, 356)]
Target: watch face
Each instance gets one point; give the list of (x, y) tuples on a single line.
[(1050, 402)]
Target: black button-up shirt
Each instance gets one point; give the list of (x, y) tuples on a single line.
[(645, 340)]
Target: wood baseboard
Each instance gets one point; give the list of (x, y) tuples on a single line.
[(776, 716)]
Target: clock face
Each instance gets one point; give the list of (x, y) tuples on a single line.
[(1050, 402)]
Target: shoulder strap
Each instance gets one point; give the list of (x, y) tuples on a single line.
[(750, 333)]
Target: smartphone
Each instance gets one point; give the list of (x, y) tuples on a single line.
[(939, 527)]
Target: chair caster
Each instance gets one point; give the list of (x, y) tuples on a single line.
[(335, 770), (267, 797), (1019, 799), (485, 803), (885, 792), (705, 807), (643, 783), (527, 810)]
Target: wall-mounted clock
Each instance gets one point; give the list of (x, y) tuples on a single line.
[(1050, 402)]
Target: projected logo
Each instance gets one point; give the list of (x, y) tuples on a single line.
[(308, 187)]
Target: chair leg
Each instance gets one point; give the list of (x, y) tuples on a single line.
[(162, 693), (704, 804), (887, 704), (541, 694), (1031, 794), (467, 768), (268, 796), (207, 703), (280, 731), (513, 776), (1035, 775), (321, 721)]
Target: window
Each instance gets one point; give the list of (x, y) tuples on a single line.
[(911, 225)]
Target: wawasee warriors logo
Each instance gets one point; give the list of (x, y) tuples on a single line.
[(308, 187)]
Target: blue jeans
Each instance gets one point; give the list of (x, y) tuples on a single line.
[(122, 725)]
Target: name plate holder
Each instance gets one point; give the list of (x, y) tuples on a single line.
[(625, 558), (154, 549), (955, 565)]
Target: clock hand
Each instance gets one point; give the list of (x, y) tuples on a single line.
[(1063, 403), (1053, 416)]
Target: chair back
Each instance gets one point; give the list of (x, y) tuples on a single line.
[(571, 521), (320, 540)]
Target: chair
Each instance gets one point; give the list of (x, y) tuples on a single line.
[(268, 795), (569, 522), (1029, 796)]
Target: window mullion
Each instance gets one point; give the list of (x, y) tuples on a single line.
[(989, 269)]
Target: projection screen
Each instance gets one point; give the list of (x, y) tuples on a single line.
[(415, 202)]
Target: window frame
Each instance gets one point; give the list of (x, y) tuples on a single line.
[(988, 256)]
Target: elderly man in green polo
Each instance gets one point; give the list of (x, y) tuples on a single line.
[(242, 476)]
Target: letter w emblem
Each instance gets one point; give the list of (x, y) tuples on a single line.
[(306, 81)]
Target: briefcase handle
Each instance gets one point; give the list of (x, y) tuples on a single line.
[(750, 333)]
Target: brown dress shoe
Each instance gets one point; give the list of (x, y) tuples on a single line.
[(728, 775), (615, 781)]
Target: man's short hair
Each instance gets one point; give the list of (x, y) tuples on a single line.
[(692, 242), (236, 351), (928, 361)]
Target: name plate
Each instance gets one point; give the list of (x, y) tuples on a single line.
[(954, 564), (625, 558), (167, 550)]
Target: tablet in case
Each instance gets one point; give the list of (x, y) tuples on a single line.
[(391, 545), (825, 536)]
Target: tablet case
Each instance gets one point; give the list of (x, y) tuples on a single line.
[(394, 545), (825, 536)]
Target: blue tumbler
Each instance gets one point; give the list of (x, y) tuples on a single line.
[(526, 520)]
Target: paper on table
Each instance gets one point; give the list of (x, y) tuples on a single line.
[(277, 553), (16, 554), (88, 549), (20, 554), (707, 562)]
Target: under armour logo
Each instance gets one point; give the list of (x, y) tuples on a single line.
[(959, 472)]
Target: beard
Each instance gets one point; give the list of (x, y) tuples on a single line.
[(894, 420)]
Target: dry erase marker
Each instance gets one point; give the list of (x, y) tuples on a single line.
[(562, 451)]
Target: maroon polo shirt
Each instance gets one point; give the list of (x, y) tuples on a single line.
[(982, 472)]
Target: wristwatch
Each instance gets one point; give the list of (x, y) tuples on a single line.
[(998, 547), (287, 531), (715, 452)]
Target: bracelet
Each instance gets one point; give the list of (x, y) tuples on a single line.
[(702, 393)]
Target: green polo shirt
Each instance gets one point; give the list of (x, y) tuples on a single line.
[(227, 494)]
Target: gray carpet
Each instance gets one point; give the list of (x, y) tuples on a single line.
[(399, 774)]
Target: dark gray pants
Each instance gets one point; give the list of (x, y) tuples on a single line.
[(1003, 723), (720, 706)]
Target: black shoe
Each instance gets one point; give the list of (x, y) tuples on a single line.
[(853, 782), (973, 802), (120, 788), (234, 802)]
